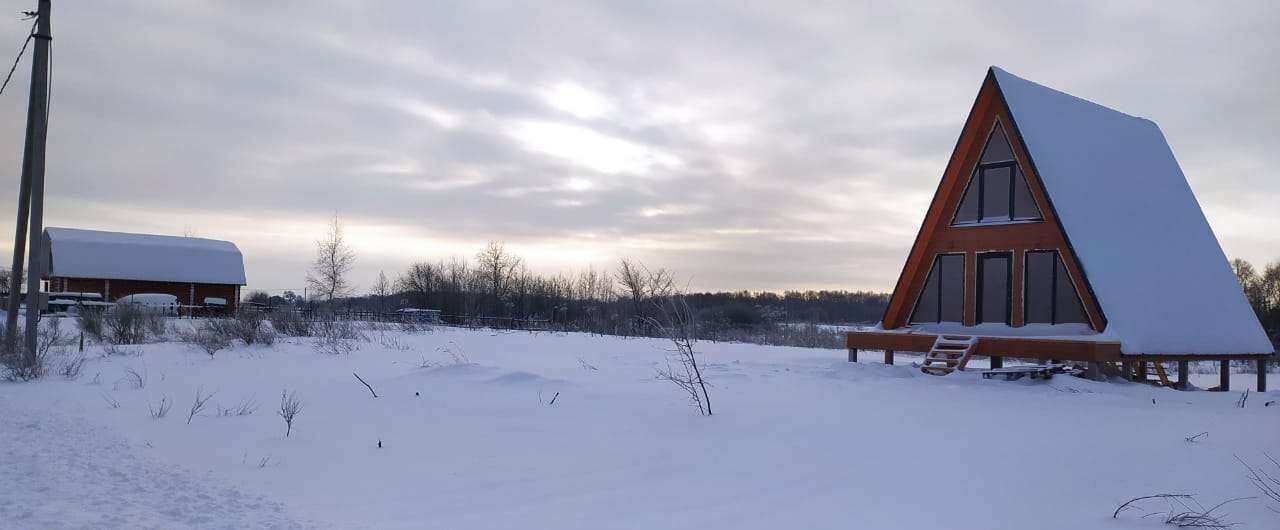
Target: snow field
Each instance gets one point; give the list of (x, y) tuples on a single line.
[(800, 439)]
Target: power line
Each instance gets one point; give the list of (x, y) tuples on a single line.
[(30, 35)]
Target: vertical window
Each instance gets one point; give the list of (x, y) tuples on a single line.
[(993, 287), (1024, 206), (1066, 305), (942, 298), (1051, 298)]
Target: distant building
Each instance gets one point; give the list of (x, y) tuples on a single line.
[(204, 275), (421, 316)]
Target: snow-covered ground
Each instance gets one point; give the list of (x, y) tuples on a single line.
[(800, 439)]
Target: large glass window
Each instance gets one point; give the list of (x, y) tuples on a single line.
[(994, 277), (1050, 296), (942, 299), (997, 191)]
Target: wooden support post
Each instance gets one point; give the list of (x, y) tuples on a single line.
[(888, 356), (1183, 368), (1262, 375), (1224, 375), (1126, 370), (1093, 371), (853, 355), (1140, 374), (997, 361)]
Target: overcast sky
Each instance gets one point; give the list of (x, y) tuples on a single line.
[(746, 146)]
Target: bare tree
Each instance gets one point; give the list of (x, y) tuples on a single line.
[(380, 291), (676, 321), (497, 268), (334, 259), (290, 405), (634, 282)]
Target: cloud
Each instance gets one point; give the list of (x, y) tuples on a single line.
[(745, 145)]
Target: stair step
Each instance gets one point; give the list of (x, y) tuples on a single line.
[(942, 360), (953, 347)]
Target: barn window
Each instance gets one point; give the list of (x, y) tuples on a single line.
[(997, 191), (1050, 296), (942, 299)]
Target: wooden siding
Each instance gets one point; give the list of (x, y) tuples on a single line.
[(112, 290)]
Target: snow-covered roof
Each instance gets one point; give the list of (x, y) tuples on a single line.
[(76, 253), (1155, 266)]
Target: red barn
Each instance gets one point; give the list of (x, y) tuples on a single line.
[(204, 274)]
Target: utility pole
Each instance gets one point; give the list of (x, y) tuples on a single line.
[(31, 192)]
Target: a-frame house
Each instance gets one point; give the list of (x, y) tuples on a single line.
[(1064, 230)]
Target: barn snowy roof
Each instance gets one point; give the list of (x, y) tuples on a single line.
[(1155, 266), (75, 253)]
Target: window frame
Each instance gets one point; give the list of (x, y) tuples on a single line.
[(1008, 295), (964, 279), (1053, 289), (978, 173)]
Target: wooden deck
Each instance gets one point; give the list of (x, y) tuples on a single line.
[(1021, 347), (1098, 354)]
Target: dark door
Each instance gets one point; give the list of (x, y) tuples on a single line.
[(995, 275)]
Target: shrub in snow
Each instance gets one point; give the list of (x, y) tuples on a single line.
[(1267, 484), (244, 408), (161, 409), (290, 405), (289, 322), (250, 327), (50, 338), (336, 335), (198, 405), (90, 321), (134, 378), (131, 324), (71, 366), (210, 337)]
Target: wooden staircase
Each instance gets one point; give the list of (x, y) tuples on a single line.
[(949, 353), (1143, 374)]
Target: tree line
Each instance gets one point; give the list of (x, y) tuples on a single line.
[(497, 283), (1263, 291)]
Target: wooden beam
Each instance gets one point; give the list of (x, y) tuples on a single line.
[(1183, 369), (1262, 375), (1224, 375), (885, 340), (997, 361)]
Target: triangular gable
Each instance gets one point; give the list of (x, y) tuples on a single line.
[(988, 142)]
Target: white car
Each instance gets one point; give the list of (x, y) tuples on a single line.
[(166, 303)]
